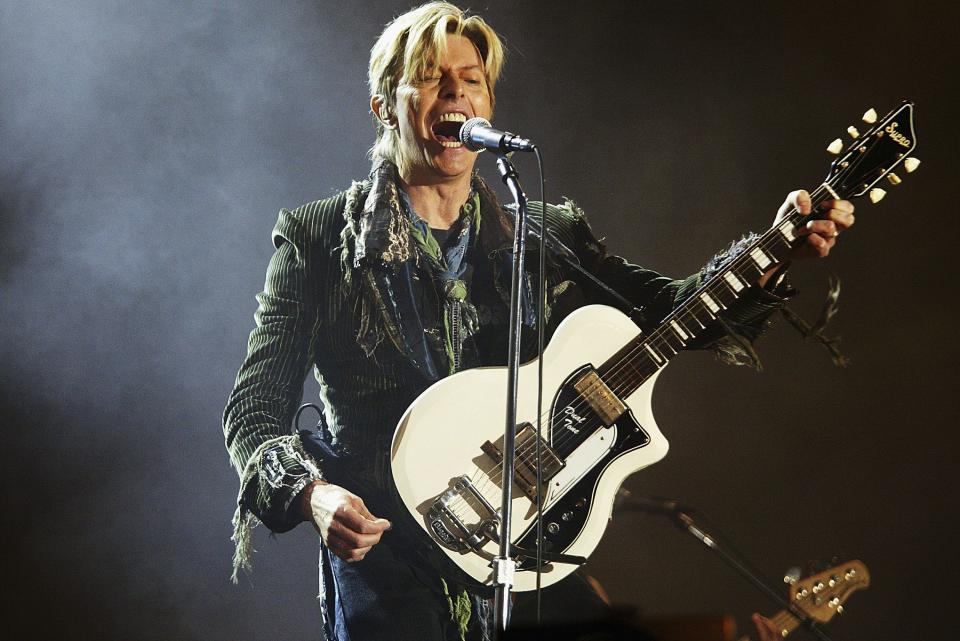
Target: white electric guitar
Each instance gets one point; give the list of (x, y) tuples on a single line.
[(598, 428)]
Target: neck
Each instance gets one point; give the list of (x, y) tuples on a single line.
[(438, 203)]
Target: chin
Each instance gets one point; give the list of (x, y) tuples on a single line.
[(454, 162)]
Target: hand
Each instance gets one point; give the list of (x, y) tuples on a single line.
[(818, 236), (821, 235), (345, 524), (765, 628)]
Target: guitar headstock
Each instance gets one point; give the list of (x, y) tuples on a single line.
[(822, 595), (874, 154)]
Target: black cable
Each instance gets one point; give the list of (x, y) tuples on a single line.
[(541, 335)]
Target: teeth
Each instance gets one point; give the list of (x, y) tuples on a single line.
[(451, 143), (452, 117)]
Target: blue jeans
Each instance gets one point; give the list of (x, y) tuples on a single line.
[(389, 596), (386, 596)]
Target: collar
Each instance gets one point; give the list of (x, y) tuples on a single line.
[(383, 230)]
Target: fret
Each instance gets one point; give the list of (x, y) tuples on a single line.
[(665, 342), (692, 314), (657, 358), (634, 367), (777, 247), (724, 292)]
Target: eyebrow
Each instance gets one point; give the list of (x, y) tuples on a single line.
[(469, 68)]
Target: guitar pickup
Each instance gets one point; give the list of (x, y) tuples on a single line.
[(600, 397), (525, 459)]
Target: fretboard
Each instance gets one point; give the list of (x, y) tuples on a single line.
[(644, 356)]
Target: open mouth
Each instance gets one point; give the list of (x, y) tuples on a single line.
[(446, 130)]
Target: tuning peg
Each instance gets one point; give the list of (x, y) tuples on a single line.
[(893, 179), (835, 147), (877, 194), (870, 116), (853, 132), (911, 164), (839, 609)]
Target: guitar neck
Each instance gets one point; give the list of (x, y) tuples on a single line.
[(784, 622), (643, 357), (872, 156)]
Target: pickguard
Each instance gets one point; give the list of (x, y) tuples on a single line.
[(566, 516)]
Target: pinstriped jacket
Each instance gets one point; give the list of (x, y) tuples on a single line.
[(325, 306)]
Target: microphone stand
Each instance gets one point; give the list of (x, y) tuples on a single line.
[(683, 517), (504, 565)]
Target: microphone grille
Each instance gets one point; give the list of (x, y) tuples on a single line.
[(467, 127)]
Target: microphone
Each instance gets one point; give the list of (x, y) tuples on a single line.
[(477, 134)]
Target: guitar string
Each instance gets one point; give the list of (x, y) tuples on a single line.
[(619, 368), (615, 375)]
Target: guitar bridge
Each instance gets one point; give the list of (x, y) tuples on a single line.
[(462, 519)]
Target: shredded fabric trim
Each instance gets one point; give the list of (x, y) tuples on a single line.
[(735, 349), (723, 258), (460, 609), (265, 463), (830, 307)]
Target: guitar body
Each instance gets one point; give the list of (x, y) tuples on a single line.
[(439, 440)]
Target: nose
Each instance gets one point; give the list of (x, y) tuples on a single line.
[(452, 87)]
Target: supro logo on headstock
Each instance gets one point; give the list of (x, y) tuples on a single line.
[(896, 135)]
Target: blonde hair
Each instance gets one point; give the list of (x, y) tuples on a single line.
[(415, 41)]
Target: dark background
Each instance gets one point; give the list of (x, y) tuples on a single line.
[(146, 148)]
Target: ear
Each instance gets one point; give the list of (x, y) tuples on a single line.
[(383, 112)]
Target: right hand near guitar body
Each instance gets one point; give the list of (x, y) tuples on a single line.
[(344, 523)]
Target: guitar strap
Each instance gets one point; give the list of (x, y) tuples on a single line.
[(565, 255)]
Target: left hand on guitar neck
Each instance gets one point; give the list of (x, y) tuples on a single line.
[(820, 234), (766, 631)]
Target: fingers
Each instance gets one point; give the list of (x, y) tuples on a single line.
[(766, 631), (840, 212), (355, 521), (361, 507), (351, 535), (800, 200), (346, 550), (344, 522), (821, 234)]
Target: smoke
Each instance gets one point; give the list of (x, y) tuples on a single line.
[(144, 146)]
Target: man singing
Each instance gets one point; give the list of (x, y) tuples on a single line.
[(398, 281)]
